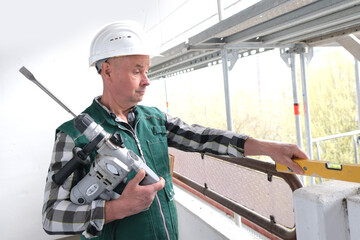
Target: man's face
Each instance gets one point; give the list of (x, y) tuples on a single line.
[(127, 79)]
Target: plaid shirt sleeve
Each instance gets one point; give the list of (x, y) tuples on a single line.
[(196, 138), (60, 215)]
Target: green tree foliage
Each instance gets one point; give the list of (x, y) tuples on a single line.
[(332, 98)]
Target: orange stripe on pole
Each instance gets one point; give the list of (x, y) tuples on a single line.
[(296, 109)]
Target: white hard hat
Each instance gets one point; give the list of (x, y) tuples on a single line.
[(119, 39)]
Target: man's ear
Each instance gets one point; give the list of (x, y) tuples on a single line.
[(106, 70)]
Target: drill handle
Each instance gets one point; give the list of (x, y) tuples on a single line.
[(79, 159)]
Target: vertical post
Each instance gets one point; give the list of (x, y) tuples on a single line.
[(355, 149), (317, 150), (296, 101), (220, 10), (357, 89), (226, 89), (166, 96), (288, 55), (299, 139), (318, 155), (308, 138), (357, 82)]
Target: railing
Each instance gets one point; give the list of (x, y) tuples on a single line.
[(250, 188), (316, 141)]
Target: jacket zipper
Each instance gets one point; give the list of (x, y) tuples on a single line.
[(163, 217), (132, 131)]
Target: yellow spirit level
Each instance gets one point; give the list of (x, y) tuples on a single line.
[(315, 168)]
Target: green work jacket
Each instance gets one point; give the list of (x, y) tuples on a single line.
[(147, 138)]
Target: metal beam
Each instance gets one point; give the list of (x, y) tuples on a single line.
[(292, 19), (331, 38), (187, 62), (343, 19), (351, 45), (258, 13), (196, 60)]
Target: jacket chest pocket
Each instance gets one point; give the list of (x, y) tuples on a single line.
[(159, 150)]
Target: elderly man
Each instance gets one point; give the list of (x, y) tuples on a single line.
[(122, 58)]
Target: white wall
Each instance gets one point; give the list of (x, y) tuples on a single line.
[(200, 220), (52, 40)]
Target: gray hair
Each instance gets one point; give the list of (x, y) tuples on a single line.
[(98, 64)]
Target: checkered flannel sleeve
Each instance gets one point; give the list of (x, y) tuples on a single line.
[(196, 138), (60, 215)]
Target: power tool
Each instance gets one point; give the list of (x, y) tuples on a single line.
[(111, 165)]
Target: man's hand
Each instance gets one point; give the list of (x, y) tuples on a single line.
[(134, 199), (281, 153)]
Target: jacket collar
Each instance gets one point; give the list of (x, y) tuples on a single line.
[(109, 116)]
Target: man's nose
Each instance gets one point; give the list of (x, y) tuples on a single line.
[(145, 80)]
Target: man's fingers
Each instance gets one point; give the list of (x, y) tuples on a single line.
[(300, 154), (139, 177), (296, 168), (159, 185)]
